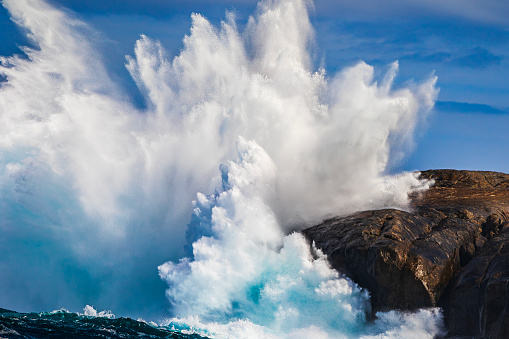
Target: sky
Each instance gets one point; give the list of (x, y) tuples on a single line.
[(464, 43)]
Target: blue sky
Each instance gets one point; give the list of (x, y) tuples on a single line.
[(465, 43)]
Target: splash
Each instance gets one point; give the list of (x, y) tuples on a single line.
[(245, 279), (96, 193), (90, 311)]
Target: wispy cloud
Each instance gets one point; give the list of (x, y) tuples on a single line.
[(464, 107), (478, 58), (488, 11)]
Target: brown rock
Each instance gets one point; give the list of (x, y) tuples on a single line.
[(467, 179), (478, 300), (407, 260)]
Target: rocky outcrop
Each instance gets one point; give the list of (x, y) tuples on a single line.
[(478, 300), (450, 250)]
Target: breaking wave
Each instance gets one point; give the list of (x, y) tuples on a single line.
[(241, 142)]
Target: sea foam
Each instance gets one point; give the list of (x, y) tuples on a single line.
[(242, 141)]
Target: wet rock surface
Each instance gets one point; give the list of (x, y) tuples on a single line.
[(451, 250)]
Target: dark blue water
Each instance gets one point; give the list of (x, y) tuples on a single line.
[(63, 324)]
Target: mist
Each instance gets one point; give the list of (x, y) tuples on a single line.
[(242, 140)]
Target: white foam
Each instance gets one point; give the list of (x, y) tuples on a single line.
[(108, 188), (243, 273), (90, 311)]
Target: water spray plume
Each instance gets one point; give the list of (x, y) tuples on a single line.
[(242, 142)]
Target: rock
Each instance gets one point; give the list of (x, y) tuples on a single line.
[(467, 179), (478, 300), (447, 251)]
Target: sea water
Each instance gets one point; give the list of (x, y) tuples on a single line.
[(241, 141)]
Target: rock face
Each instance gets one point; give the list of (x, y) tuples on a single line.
[(451, 250), (478, 300)]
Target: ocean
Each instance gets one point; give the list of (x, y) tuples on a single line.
[(64, 324), (185, 211)]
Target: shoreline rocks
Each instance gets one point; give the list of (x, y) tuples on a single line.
[(451, 250)]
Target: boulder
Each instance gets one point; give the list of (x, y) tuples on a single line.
[(448, 251)]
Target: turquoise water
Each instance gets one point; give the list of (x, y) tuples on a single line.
[(184, 212)]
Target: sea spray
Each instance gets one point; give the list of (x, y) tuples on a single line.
[(244, 273), (96, 193)]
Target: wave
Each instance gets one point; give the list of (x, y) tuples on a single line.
[(65, 324), (241, 143)]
